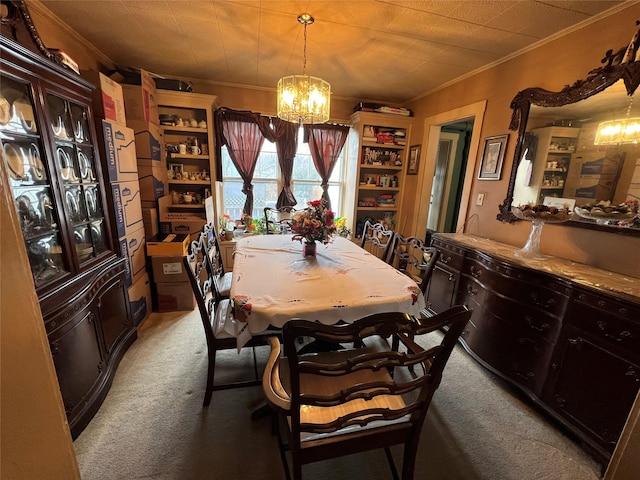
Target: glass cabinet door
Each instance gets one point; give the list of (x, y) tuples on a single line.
[(24, 161), (76, 168)]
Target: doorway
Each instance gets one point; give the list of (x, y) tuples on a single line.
[(466, 122), (448, 178)]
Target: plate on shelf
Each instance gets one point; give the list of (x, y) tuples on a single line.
[(37, 168), (15, 161), (85, 166), (5, 111), (24, 113), (72, 204)]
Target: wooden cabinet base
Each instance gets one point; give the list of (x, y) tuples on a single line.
[(568, 344)]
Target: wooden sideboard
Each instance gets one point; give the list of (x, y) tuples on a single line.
[(565, 334)]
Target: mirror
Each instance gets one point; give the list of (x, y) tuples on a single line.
[(556, 159)]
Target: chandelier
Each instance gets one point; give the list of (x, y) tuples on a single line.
[(614, 132), (621, 130), (302, 98)]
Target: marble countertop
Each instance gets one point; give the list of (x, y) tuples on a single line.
[(577, 272)]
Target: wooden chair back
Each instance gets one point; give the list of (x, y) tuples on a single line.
[(412, 257), (358, 399), (376, 239), (277, 220), (216, 313)]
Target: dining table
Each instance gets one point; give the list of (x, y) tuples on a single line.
[(273, 282)]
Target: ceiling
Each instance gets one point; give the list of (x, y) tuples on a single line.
[(382, 51)]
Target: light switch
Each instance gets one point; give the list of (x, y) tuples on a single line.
[(480, 199)]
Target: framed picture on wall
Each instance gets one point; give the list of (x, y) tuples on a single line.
[(492, 157), (414, 160)]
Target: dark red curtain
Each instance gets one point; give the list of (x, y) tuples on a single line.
[(325, 144), (241, 133)]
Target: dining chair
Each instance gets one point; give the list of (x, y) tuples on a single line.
[(414, 258), (215, 265), (276, 220), (376, 239), (331, 404), (216, 313)]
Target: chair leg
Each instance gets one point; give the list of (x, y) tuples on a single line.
[(392, 464), (255, 363), (210, 377), (409, 459)]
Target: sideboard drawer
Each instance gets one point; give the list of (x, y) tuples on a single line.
[(613, 321), (450, 255), (538, 292)]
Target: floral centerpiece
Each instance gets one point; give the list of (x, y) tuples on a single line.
[(313, 224)]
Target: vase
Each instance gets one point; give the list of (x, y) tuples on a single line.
[(309, 249), (228, 235), (532, 247)]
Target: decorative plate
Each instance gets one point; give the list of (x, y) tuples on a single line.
[(547, 216), (601, 216), (5, 111), (15, 161)]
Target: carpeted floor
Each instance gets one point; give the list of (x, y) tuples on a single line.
[(152, 424)]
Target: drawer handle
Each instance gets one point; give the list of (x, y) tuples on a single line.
[(451, 278), (525, 376), (576, 342), (624, 335), (445, 260), (471, 290), (549, 303), (631, 372), (475, 271), (542, 328)]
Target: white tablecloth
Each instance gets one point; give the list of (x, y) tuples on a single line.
[(273, 283)]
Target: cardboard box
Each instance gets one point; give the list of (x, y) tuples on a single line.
[(127, 207), (140, 299), (140, 101), (153, 180), (132, 248), (174, 296), (192, 228), (108, 100), (167, 245), (169, 269), (149, 140), (150, 221), (119, 152)]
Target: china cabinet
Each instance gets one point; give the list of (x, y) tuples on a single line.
[(187, 122), (565, 334), (52, 163), (379, 176)]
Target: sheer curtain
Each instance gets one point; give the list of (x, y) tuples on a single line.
[(325, 144)]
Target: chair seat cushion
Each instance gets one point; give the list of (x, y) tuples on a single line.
[(313, 384)]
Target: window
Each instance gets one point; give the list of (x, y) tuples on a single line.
[(267, 181)]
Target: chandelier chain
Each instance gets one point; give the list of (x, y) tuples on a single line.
[(304, 52)]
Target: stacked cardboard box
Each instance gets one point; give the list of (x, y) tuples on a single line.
[(118, 152), (171, 283), (189, 223)]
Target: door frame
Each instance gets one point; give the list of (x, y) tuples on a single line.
[(432, 127)]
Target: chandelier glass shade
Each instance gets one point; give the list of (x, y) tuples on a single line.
[(614, 132), (302, 98)]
